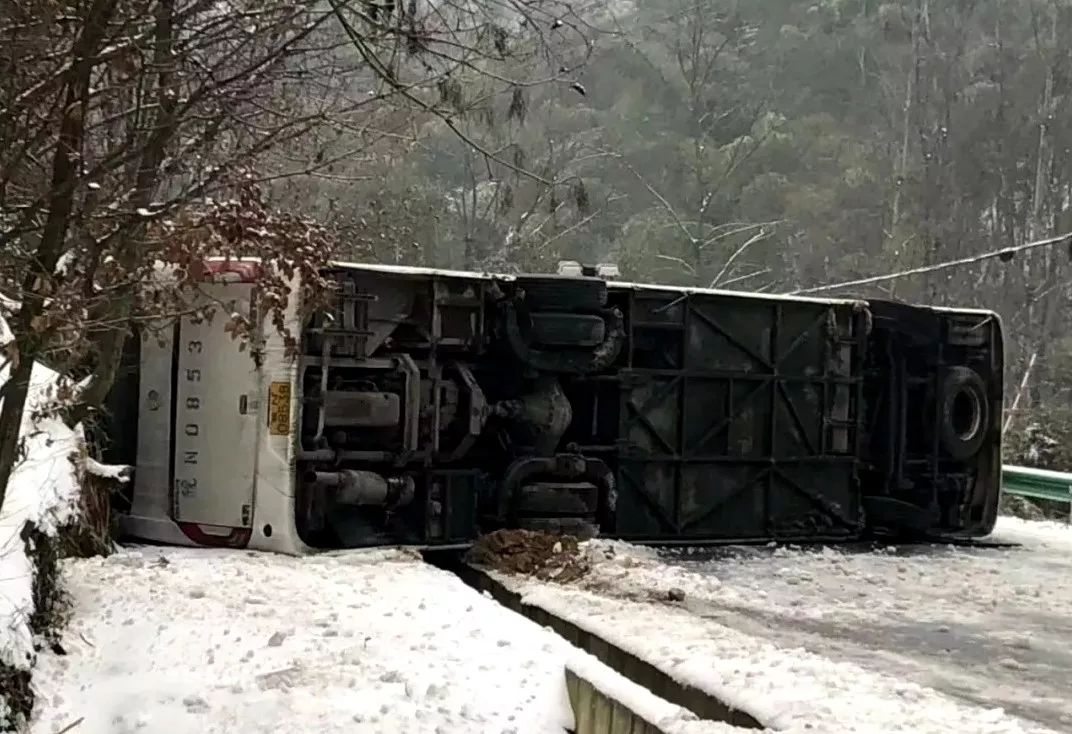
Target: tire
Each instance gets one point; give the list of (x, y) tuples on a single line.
[(563, 293), (567, 329), (964, 415)]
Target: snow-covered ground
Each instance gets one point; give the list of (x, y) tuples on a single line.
[(172, 641), (985, 626), (916, 639), (206, 641)]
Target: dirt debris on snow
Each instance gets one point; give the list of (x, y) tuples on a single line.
[(541, 555), (566, 560)]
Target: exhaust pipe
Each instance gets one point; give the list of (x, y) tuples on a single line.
[(354, 487)]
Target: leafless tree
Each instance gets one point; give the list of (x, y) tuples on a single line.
[(141, 132)]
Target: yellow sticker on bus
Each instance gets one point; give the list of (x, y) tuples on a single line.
[(279, 409)]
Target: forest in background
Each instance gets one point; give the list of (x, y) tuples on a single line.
[(777, 146)]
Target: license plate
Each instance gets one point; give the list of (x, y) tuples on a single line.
[(279, 409)]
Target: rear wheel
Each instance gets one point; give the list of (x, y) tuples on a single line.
[(964, 413)]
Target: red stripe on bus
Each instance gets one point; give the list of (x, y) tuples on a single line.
[(237, 538)]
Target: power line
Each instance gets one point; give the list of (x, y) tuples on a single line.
[(1004, 254)]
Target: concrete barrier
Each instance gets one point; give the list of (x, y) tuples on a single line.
[(644, 674), (595, 712)]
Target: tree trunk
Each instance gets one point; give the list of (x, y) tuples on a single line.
[(17, 389), (902, 158), (61, 195), (1036, 226), (110, 343)]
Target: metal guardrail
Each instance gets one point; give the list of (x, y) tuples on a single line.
[(1039, 484)]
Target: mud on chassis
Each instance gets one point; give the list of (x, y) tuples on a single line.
[(434, 408)]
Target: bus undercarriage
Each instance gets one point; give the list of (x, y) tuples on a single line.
[(426, 407)]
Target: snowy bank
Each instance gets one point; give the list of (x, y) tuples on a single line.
[(42, 497), (174, 640)]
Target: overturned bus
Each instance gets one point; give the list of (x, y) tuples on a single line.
[(425, 407)]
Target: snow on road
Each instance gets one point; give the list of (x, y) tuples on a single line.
[(210, 641), (171, 641), (914, 639), (786, 688), (989, 627)]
